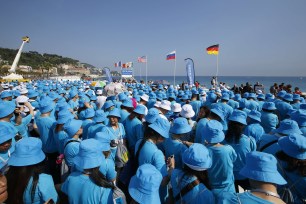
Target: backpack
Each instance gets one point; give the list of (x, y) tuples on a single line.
[(122, 155)]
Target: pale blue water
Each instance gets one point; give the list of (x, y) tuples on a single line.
[(231, 80)]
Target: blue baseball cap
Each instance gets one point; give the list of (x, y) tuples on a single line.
[(243, 103), (140, 109), (180, 126), (99, 116), (262, 166), (261, 96), (237, 97), (71, 127), (288, 126), (296, 97), (197, 157), (6, 108), (144, 186), (213, 132), (89, 155), (115, 113), (28, 151), (255, 115), (161, 126), (63, 116), (152, 115), (294, 145), (269, 106), (105, 139), (252, 95), (238, 116)]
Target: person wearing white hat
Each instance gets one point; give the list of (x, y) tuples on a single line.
[(143, 102), (164, 108), (188, 112)]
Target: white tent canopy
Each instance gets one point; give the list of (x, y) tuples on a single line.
[(13, 76)]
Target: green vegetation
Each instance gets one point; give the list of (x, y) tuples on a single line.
[(37, 60)]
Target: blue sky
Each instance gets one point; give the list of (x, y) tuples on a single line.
[(256, 37)]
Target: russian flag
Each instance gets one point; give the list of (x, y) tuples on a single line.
[(171, 55)]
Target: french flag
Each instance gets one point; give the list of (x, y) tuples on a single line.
[(171, 55)]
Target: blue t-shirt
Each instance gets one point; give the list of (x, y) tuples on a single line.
[(176, 148), (243, 198), (85, 125), (295, 182), (220, 174), (196, 105), (81, 189), (44, 190), (108, 169), (198, 194), (60, 139), (124, 114), (150, 154), (199, 134), (71, 150), (45, 127), (272, 148), (245, 145), (134, 131)]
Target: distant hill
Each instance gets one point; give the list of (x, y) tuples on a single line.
[(36, 60)]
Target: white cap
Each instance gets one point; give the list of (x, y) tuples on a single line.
[(157, 104), (187, 111), (259, 91), (21, 99), (99, 91), (145, 97), (176, 108), (87, 87), (23, 91), (165, 105)]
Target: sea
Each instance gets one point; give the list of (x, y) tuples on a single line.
[(267, 81)]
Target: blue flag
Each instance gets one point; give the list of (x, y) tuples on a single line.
[(190, 71), (108, 74)]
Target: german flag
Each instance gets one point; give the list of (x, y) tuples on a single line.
[(213, 50)]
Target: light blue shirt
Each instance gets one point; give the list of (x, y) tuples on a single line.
[(243, 198), (44, 190), (45, 127), (60, 140), (108, 169), (85, 125), (150, 154), (199, 135), (198, 194), (220, 174), (245, 145), (134, 131), (271, 149), (80, 189), (71, 150)]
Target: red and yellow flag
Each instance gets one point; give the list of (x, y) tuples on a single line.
[(213, 50)]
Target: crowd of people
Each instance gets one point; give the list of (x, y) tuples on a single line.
[(66, 142)]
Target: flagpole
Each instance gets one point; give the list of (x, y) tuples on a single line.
[(140, 74), (174, 68), (146, 69), (217, 70)]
